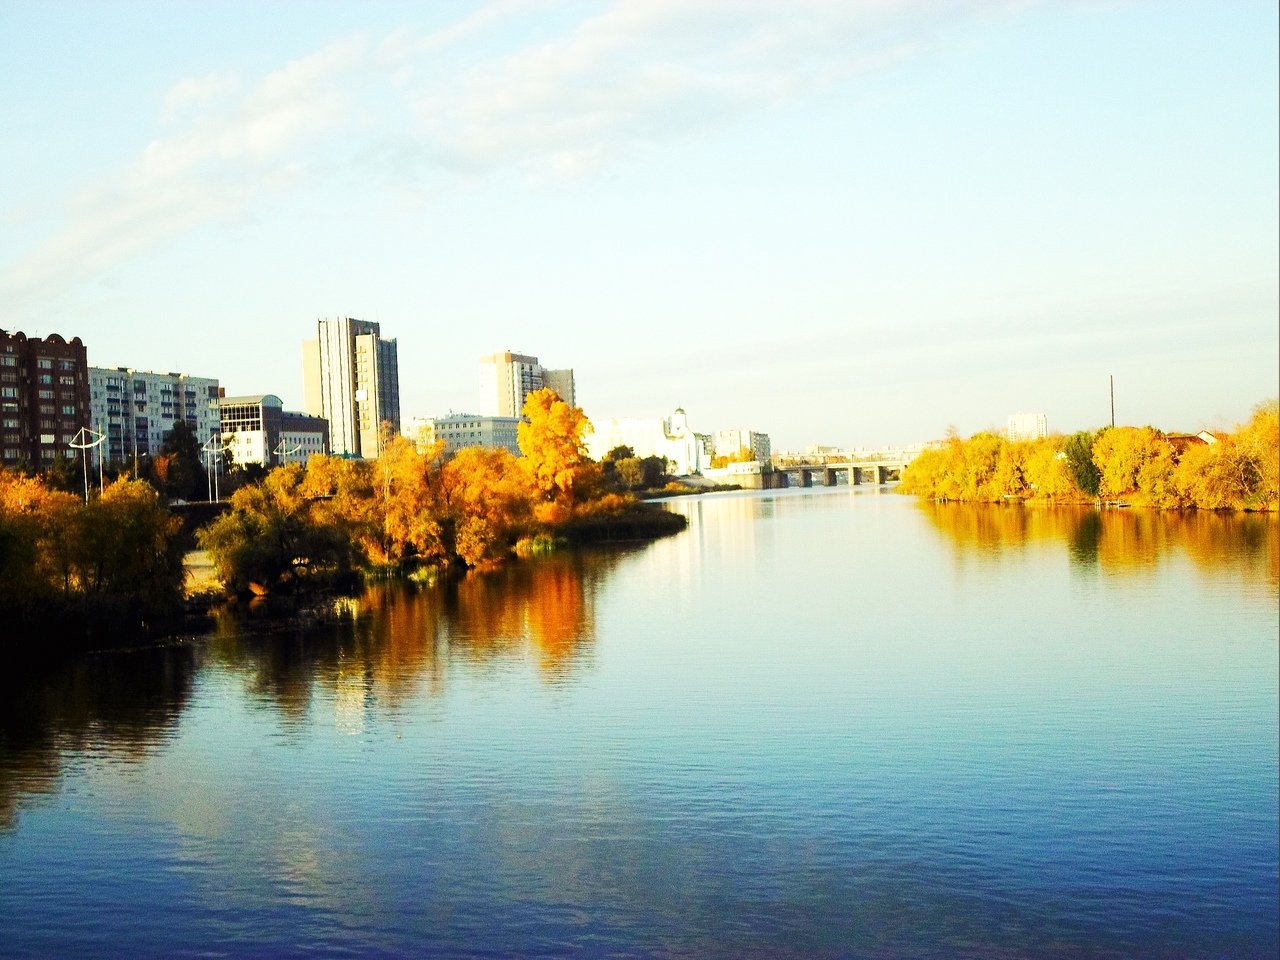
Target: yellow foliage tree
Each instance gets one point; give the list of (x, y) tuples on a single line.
[(484, 495), (1132, 460), (1259, 442), (1048, 472), (555, 457)]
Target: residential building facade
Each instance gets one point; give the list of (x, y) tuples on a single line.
[(459, 430), (507, 379), (561, 381), (1027, 426), (258, 430), (352, 379), (44, 398), (137, 409)]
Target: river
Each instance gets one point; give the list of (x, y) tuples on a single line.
[(819, 723)]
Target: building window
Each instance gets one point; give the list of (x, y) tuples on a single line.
[(44, 363), (68, 410)]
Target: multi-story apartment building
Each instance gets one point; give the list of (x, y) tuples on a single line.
[(726, 443), (44, 398), (352, 379), (561, 381), (1027, 426), (257, 429), (507, 379), (460, 430), (137, 409)]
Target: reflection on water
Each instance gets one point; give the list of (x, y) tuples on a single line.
[(818, 723), (391, 639), (121, 705), (1119, 540), (395, 635)]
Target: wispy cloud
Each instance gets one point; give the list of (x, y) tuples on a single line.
[(195, 92), (643, 71), (212, 169), (471, 97)]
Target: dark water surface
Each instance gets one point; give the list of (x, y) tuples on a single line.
[(829, 723)]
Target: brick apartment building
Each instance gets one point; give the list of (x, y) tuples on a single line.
[(44, 398)]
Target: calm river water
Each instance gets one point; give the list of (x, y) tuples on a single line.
[(829, 723)]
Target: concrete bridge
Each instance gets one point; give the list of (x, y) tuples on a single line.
[(859, 466)]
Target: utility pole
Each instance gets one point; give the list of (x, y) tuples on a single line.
[(1113, 399)]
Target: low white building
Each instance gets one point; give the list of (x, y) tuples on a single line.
[(459, 430), (258, 430), (686, 452), (137, 409)]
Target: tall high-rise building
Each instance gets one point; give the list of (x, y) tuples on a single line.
[(507, 379), (1027, 426), (561, 381), (352, 379), (44, 398)]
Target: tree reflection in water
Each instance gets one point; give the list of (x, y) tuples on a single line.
[(394, 643), (1119, 540), (124, 703)]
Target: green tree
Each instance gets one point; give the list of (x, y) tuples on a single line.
[(1078, 449), (179, 468)]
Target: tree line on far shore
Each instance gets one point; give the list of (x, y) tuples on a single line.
[(1139, 466)]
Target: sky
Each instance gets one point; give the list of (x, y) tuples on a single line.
[(839, 222)]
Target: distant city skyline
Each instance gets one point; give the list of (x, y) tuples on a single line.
[(836, 223)]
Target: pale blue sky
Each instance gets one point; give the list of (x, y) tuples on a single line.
[(837, 222)]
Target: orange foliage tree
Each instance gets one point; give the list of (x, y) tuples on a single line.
[(555, 457)]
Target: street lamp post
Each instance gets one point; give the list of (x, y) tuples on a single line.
[(285, 452), (213, 448), (82, 442)]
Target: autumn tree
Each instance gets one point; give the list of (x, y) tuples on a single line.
[(273, 536), (550, 438), (1259, 441), (403, 511), (1135, 460), (483, 501), (741, 455), (1048, 471), (75, 570), (130, 554)]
